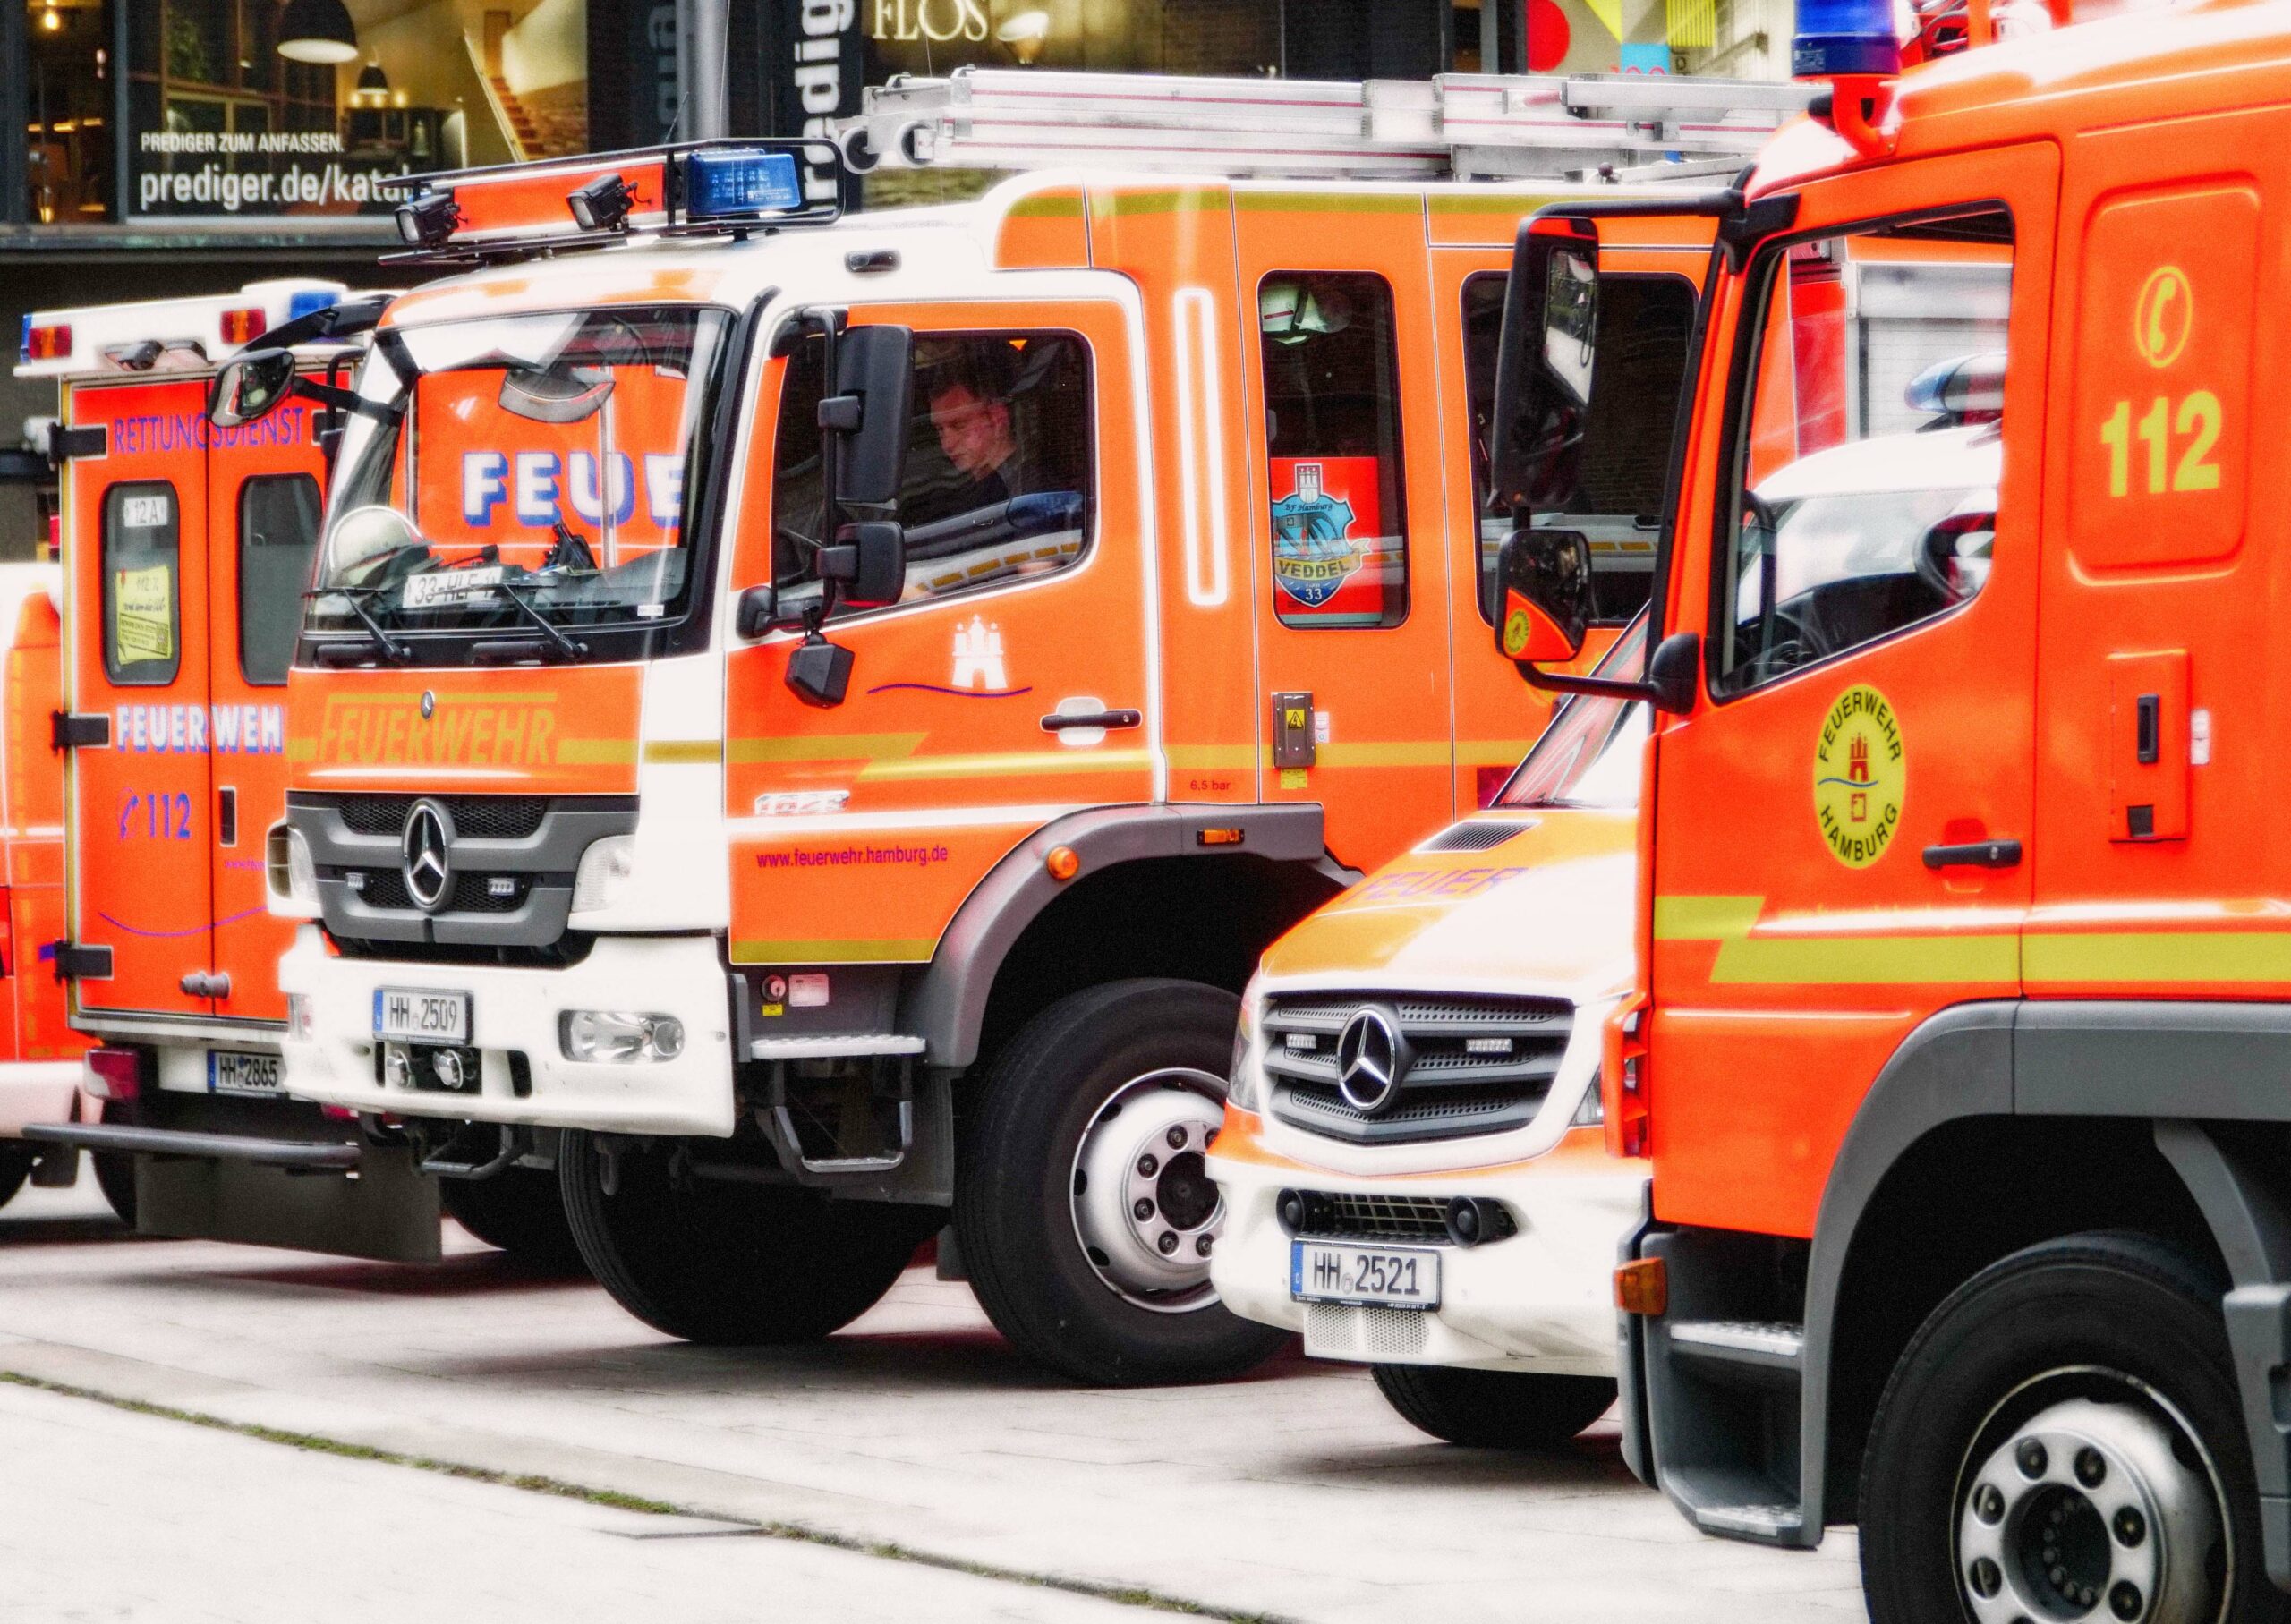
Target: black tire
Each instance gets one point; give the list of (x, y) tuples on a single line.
[(15, 1167), (1015, 1178), (116, 1171), (519, 1211), (732, 1264), (2110, 1321), (1494, 1410)]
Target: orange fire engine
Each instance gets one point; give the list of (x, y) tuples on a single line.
[(827, 721), (1964, 950), (187, 547)]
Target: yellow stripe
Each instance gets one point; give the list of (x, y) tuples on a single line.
[(1488, 202), (1048, 206), (1191, 200), (2160, 955), (1492, 752), (596, 752), (1385, 754), (1044, 762), (1826, 960), (302, 750), (1705, 918), (703, 751), (1328, 202), (851, 950), (812, 750)]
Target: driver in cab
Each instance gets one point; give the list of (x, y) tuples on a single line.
[(969, 392)]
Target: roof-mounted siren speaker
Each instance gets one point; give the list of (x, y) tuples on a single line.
[(1856, 46), (428, 219), (912, 145)]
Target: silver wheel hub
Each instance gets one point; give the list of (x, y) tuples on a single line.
[(1145, 1209), (2086, 1512)]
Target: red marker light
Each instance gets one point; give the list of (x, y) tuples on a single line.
[(244, 326), (47, 344)]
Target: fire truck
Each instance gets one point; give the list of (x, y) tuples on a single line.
[(806, 723), (39, 1078), (186, 547), (1962, 955)]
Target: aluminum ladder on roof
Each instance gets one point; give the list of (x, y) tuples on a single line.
[(1455, 126)]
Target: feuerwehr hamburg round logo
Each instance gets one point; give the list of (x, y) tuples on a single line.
[(423, 854), (1371, 1058), (1861, 775)]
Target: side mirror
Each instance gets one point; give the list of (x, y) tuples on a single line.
[(1546, 579), (757, 613), (874, 384), (1545, 359), (869, 562), (250, 387)]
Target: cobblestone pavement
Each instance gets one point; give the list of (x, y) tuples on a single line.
[(1296, 1494)]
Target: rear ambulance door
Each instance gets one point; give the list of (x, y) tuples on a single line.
[(1838, 842), (1344, 435), (265, 487), (1015, 680), (141, 811)]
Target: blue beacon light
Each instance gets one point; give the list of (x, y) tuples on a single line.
[(1845, 37), (718, 184)]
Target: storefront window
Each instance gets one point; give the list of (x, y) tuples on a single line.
[(68, 106), (249, 108)]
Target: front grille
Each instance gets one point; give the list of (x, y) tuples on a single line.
[(472, 893), (384, 889), (1478, 1065), (1331, 1215), (475, 817)]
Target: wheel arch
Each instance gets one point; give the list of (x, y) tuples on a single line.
[(1193, 891)]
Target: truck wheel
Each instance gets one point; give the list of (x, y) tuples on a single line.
[(1081, 1203), (2062, 1439), (1494, 1410), (519, 1211), (15, 1167), (731, 1263)]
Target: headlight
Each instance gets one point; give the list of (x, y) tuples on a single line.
[(615, 1037), (1244, 1088), (290, 874), (604, 873)]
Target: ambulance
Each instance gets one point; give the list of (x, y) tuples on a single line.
[(1954, 1049), (821, 714), (186, 551)]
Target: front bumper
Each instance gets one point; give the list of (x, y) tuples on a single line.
[(515, 1010), (1540, 1300)]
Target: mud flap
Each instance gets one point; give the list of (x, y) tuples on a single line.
[(387, 1210)]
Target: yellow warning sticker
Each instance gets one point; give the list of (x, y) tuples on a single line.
[(143, 615), (1859, 777), (1292, 777)]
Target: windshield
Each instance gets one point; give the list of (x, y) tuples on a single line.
[(522, 468), (1589, 755)]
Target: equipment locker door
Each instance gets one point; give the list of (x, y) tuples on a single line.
[(137, 628), (263, 511), (1839, 824), (1342, 385)]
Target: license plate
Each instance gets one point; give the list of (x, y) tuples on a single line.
[(412, 1015), (1382, 1277), (233, 1071), (451, 586)]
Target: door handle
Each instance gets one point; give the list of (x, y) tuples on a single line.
[(1059, 721), (198, 983), (1978, 854)]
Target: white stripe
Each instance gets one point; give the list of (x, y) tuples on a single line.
[(1201, 436), (831, 824)]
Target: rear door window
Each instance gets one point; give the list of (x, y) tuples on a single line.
[(278, 531), (142, 582)]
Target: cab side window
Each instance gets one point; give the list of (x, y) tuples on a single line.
[(278, 531), (1616, 495), (1330, 355), (999, 484), (1863, 464), (142, 575)]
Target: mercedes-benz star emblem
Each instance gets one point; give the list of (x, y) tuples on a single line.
[(1371, 1059), (428, 704), (429, 837)]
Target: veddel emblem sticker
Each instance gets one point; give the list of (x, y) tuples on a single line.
[(1859, 776)]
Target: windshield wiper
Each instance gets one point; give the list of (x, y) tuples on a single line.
[(393, 651), (570, 648)]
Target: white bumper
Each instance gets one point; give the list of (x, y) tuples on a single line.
[(515, 1011), (1540, 1300), (36, 1090)]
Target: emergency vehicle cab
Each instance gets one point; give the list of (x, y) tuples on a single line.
[(1957, 1046), (186, 549), (808, 722)]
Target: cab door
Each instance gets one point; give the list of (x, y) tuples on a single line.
[(1345, 433), (141, 818), (1839, 824), (1015, 679), (264, 504)]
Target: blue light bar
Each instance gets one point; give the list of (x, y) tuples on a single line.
[(24, 346), (721, 183), (1842, 37), (308, 302), (1965, 387)]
